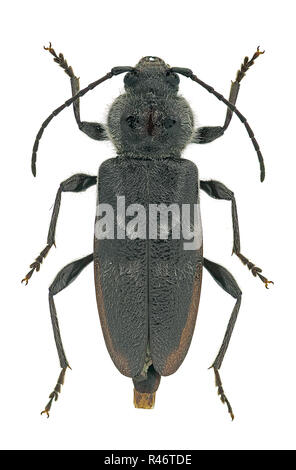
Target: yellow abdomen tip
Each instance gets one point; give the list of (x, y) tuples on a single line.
[(144, 400)]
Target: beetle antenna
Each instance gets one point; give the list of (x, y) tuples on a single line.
[(188, 73), (91, 86)]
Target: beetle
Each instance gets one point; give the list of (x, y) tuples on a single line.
[(148, 287)]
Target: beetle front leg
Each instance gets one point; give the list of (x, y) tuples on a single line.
[(94, 130), (205, 135), (217, 190), (76, 183), (67, 275)]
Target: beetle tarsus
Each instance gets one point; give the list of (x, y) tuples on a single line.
[(60, 60), (28, 276), (221, 393), (52, 396), (55, 394), (254, 269), (247, 63), (37, 263)]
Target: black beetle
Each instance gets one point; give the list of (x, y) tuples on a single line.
[(148, 286)]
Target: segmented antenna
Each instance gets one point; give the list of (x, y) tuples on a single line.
[(188, 73)]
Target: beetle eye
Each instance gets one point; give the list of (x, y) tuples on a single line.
[(172, 79), (131, 78)]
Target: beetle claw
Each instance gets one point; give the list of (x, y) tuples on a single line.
[(28, 277), (45, 411), (265, 281), (48, 48), (268, 282), (258, 52)]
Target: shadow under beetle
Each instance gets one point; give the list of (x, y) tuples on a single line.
[(147, 289)]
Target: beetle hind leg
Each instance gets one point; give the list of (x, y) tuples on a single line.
[(145, 389), (67, 275), (229, 284)]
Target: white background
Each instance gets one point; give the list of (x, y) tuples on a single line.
[(95, 409)]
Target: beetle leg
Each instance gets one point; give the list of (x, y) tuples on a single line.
[(223, 398), (254, 269), (247, 63), (55, 394), (217, 190), (93, 129), (36, 264), (67, 275), (229, 284), (76, 183), (205, 135)]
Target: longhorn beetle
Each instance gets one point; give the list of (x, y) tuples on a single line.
[(148, 285)]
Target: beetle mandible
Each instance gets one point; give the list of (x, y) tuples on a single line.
[(148, 287)]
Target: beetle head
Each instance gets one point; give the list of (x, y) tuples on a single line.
[(150, 119), (153, 75)]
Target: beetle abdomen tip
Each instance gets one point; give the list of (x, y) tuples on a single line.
[(144, 400)]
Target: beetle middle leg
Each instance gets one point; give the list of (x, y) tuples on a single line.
[(67, 275), (94, 130), (229, 284), (217, 190), (76, 183)]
